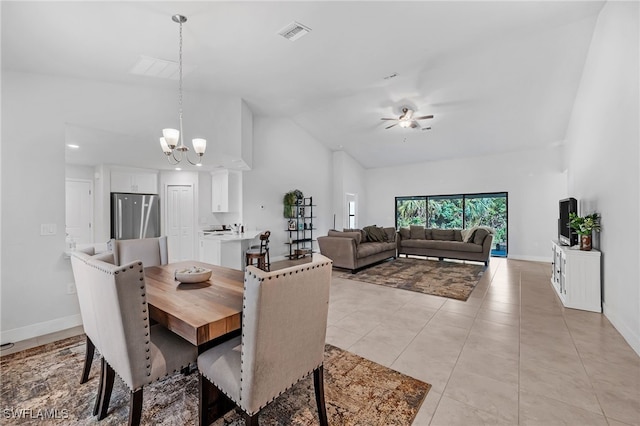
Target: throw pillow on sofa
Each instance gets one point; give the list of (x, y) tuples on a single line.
[(405, 233), (375, 233), (361, 231), (417, 232), (480, 235), (355, 235)]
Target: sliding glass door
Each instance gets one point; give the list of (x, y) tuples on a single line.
[(461, 211)]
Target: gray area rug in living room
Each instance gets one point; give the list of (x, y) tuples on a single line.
[(357, 392), (439, 278)]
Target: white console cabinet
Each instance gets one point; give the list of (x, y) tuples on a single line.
[(575, 276)]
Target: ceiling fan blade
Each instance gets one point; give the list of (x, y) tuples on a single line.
[(388, 119), (424, 117), (426, 128), (395, 124)]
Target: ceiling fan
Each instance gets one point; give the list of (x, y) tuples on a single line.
[(407, 120)]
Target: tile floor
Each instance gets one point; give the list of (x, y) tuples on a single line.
[(510, 355)]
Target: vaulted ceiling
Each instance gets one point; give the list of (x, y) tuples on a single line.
[(497, 76)]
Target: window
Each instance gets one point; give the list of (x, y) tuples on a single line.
[(445, 212), (459, 211), (411, 211)]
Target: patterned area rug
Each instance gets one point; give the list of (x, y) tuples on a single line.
[(41, 386), (440, 278)]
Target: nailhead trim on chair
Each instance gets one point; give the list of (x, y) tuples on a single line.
[(242, 347)]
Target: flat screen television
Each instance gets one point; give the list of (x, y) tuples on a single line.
[(566, 235)]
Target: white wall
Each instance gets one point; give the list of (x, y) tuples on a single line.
[(35, 111), (348, 177), (603, 158), (534, 181), (285, 157)]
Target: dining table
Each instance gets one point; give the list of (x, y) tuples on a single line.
[(205, 313), (198, 312)]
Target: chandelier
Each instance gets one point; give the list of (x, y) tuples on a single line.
[(172, 140)]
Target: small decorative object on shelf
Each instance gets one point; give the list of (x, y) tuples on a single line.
[(584, 227), (290, 200), (292, 225)]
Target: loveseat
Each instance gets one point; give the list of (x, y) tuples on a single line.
[(356, 248), (464, 244)]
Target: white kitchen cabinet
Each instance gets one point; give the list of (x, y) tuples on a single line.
[(210, 251), (134, 181), (220, 191), (575, 277)]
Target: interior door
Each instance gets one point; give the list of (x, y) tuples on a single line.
[(180, 229), (79, 210)]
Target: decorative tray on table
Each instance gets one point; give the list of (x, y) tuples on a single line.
[(193, 274)]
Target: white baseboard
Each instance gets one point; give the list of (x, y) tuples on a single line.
[(40, 329), (629, 335), (546, 259)]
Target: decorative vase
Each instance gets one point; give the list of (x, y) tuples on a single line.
[(585, 242)]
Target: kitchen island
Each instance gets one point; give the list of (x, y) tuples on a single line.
[(226, 248)]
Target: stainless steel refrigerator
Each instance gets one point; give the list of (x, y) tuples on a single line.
[(134, 216)]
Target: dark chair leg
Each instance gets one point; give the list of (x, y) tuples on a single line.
[(203, 401), (135, 408), (96, 407), (318, 384), (88, 358), (251, 420), (107, 387)]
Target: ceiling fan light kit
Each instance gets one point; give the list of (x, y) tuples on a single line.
[(172, 140), (407, 120)]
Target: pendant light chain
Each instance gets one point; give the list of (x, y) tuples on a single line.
[(172, 140), (180, 85)]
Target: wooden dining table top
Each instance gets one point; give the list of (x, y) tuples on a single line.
[(199, 312)]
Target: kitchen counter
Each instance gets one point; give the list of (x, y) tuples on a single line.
[(226, 248), (224, 236)]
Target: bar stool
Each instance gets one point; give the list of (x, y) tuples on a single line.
[(261, 253)]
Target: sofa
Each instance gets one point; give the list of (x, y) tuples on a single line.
[(464, 244), (355, 249)]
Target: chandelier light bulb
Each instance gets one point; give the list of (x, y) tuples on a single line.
[(165, 146), (199, 145), (172, 142)]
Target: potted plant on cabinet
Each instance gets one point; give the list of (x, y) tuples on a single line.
[(584, 227), (290, 200)]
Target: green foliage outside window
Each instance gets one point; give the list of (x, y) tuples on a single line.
[(446, 212)]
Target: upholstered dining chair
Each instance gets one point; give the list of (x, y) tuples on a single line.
[(150, 251), (86, 308), (284, 321), (137, 352), (260, 253)]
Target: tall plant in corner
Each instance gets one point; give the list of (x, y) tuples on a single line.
[(584, 226), (290, 200)]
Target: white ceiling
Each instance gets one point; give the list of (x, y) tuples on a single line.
[(498, 76)]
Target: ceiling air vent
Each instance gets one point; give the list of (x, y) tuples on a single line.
[(294, 31)]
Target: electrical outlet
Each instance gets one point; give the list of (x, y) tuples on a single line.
[(71, 288)]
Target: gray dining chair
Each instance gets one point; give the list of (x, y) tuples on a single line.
[(89, 321), (138, 352), (150, 251), (284, 322)]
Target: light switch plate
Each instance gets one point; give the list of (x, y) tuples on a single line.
[(48, 229)]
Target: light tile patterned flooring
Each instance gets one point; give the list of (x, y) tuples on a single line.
[(511, 354)]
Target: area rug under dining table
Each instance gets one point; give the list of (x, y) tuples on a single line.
[(455, 280), (43, 382)]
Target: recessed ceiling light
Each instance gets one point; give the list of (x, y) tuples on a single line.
[(178, 168), (73, 146)]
